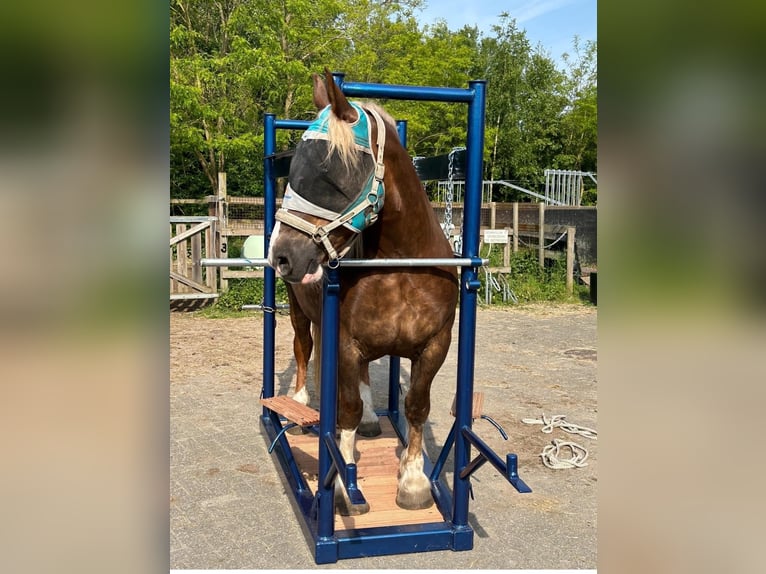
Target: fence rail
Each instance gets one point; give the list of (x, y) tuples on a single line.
[(191, 239), (197, 240)]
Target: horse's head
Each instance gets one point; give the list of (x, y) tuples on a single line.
[(335, 186)]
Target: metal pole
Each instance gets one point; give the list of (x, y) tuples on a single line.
[(395, 363), (468, 293), (401, 92), (405, 262), (292, 124), (269, 277), (401, 128), (328, 404)]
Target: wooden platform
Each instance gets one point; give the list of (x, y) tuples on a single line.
[(377, 468), (292, 410)]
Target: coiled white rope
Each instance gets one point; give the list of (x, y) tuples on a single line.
[(551, 455), (557, 421)]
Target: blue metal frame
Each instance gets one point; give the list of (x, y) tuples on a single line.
[(454, 532)]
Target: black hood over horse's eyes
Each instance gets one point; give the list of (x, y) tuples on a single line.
[(325, 182)]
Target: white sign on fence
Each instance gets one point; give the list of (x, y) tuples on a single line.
[(495, 236)]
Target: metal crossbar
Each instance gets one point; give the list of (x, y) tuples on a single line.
[(423, 262)]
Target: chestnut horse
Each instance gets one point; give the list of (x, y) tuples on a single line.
[(350, 179)]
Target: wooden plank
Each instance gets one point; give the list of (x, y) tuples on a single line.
[(255, 274), (477, 405), (181, 259), (191, 296), (292, 410), (189, 282), (237, 230), (210, 272), (570, 259), (189, 232), (188, 201), (196, 256)]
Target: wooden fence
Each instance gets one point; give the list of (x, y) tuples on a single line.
[(191, 239), (207, 236)]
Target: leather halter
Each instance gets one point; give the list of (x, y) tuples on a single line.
[(359, 214)]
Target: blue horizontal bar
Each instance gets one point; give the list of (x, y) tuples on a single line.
[(401, 92), (292, 124), (386, 541)]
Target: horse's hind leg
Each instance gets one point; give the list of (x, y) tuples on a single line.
[(369, 426), (414, 488)]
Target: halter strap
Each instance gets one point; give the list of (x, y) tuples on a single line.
[(372, 200)]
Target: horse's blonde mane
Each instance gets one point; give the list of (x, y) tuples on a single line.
[(341, 136)]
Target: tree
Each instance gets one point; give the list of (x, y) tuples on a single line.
[(232, 61), (211, 70), (524, 105), (579, 124)]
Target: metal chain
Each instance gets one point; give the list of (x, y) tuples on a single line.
[(447, 226)]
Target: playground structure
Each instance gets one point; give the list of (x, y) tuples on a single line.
[(449, 529)]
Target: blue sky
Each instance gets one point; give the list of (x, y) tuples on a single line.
[(551, 23)]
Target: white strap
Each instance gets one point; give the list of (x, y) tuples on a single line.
[(296, 202)]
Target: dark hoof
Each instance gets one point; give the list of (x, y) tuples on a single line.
[(296, 430), (414, 502), (369, 429), (345, 509)]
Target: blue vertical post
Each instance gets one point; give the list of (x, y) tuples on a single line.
[(394, 363), (269, 277), (338, 78), (326, 545), (468, 289), (401, 128)]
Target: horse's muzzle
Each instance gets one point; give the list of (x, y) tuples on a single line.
[(296, 269)]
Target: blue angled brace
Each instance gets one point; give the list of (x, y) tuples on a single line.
[(347, 472)]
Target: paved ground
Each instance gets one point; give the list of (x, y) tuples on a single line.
[(228, 505)]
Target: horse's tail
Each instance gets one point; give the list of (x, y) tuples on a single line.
[(316, 335)]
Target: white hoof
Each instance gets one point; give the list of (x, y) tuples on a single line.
[(414, 491), (302, 396)]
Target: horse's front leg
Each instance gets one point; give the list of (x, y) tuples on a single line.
[(414, 487), (302, 345), (350, 409), (369, 426)]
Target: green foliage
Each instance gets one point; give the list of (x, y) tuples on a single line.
[(531, 284), (244, 292), (231, 62), (579, 126)]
